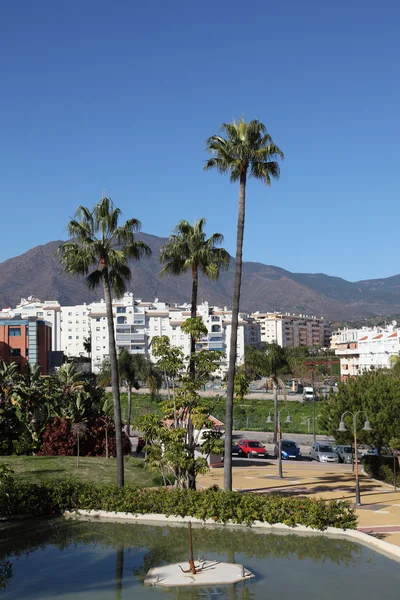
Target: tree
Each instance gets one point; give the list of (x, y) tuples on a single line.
[(170, 362), (270, 361), (246, 151), (78, 429), (168, 448), (68, 380), (31, 397), (87, 345), (188, 249), (130, 367), (99, 250), (376, 393)]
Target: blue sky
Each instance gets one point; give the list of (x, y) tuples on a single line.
[(120, 96)]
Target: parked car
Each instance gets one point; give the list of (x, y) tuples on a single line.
[(323, 452), (374, 452), (346, 454), (249, 448), (289, 449)]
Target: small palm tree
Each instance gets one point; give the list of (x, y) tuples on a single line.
[(247, 150), (99, 249), (188, 249), (78, 429), (67, 379), (131, 367)]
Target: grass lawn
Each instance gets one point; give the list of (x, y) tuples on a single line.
[(36, 469), (248, 415)]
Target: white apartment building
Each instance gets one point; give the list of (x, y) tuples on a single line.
[(366, 349), (136, 323), (75, 329), (291, 331), (49, 311)]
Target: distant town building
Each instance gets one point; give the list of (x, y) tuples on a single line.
[(25, 340), (137, 322), (365, 349), (292, 331), (49, 311)]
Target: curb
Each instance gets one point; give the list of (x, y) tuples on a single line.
[(386, 548)]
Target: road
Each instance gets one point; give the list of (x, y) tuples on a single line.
[(213, 393)]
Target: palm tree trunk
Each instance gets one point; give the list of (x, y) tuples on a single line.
[(234, 328), (112, 349), (191, 483), (128, 419), (119, 571), (275, 411)]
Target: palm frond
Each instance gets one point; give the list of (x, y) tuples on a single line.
[(94, 279)]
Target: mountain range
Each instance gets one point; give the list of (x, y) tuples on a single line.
[(264, 287)]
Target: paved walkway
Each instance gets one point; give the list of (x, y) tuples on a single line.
[(379, 513)]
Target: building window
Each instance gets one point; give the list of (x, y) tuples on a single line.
[(15, 352), (121, 309), (77, 337), (27, 352), (121, 320), (97, 328), (14, 331), (40, 314), (70, 314)]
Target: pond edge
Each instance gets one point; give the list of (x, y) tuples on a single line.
[(390, 550)]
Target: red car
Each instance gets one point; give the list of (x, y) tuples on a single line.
[(250, 448)]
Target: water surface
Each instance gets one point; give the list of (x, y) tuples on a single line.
[(82, 560)]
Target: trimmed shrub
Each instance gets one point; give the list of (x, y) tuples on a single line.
[(59, 440), (380, 467), (215, 504)]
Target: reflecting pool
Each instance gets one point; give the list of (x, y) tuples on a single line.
[(61, 559)]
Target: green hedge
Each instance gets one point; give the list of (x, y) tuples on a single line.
[(380, 467), (54, 498)]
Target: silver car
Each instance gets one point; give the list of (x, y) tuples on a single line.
[(346, 454), (323, 452)]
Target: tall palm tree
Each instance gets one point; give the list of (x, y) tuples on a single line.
[(99, 249), (247, 150), (131, 367), (188, 249)]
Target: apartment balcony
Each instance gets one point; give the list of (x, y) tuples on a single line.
[(130, 338), (214, 334), (217, 345), (347, 352)]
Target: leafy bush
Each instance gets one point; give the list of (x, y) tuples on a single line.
[(380, 467), (59, 440), (49, 498)]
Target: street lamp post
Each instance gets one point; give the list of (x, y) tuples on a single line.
[(313, 352), (288, 420), (342, 429)]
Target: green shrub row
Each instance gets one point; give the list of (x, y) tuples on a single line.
[(53, 498), (381, 467)]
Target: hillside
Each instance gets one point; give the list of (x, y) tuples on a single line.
[(265, 287)]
